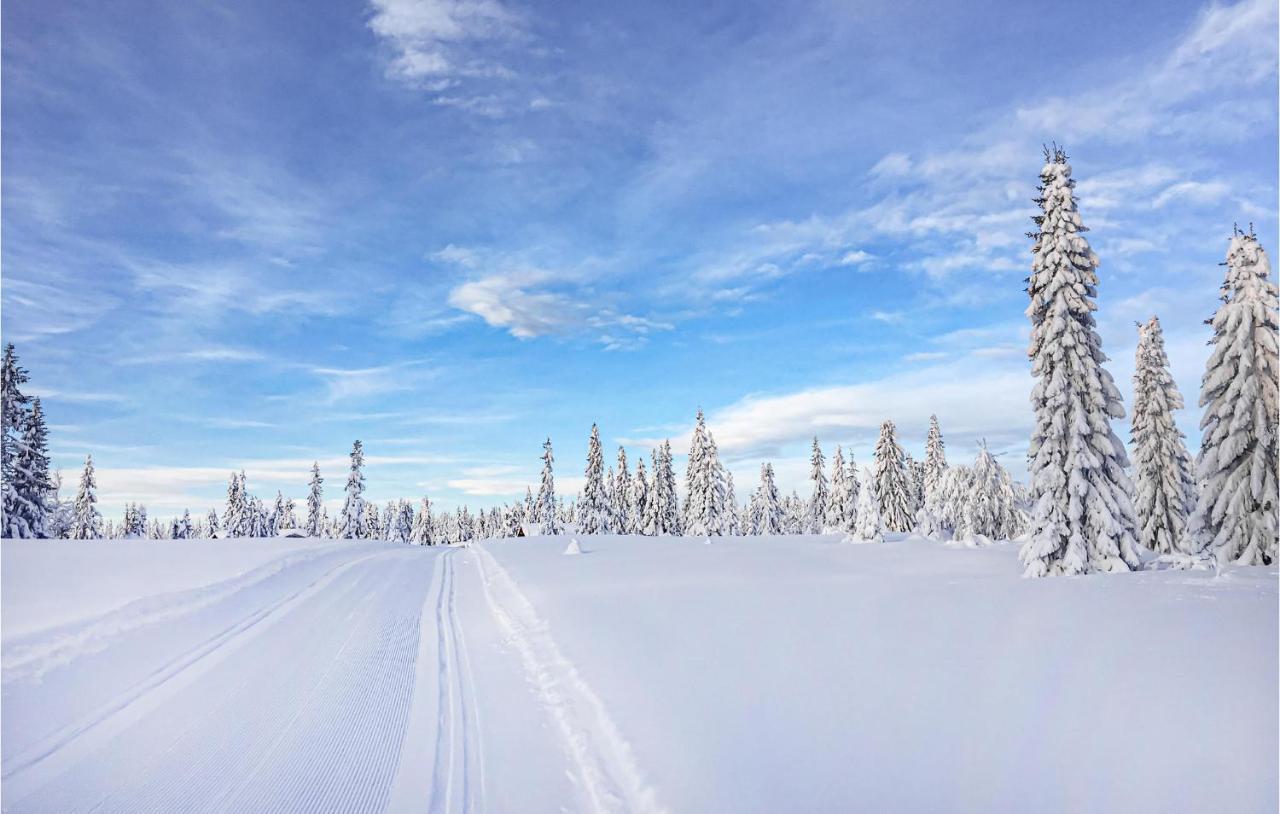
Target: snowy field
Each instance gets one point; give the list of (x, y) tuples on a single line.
[(646, 674)]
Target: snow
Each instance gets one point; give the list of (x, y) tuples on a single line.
[(45, 583), (658, 674)]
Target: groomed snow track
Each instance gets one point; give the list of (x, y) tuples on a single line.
[(299, 705), (338, 679)]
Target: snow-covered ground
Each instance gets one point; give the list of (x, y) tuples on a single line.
[(751, 674)]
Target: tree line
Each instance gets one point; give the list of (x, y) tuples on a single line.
[(1087, 508)]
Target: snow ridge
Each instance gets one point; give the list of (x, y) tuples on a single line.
[(31, 655), (605, 766)]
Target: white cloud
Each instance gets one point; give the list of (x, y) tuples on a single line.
[(925, 356), (971, 400), (433, 41), (50, 394), (514, 301), (457, 255), (889, 317), (348, 383), (531, 303), (1192, 192), (892, 165)]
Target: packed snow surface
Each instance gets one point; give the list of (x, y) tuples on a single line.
[(657, 674)]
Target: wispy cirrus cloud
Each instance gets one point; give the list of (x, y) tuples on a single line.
[(965, 209)]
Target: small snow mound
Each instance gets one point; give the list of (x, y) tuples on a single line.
[(855, 539), (707, 541), (573, 547), (1183, 562)]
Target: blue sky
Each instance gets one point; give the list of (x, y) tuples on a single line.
[(242, 235)]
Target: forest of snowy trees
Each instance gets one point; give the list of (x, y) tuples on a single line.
[(1089, 506)]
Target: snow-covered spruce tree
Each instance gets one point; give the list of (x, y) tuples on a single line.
[(513, 520), (620, 495), (390, 516), (664, 517), (917, 476), (1164, 489), (652, 524), (638, 500), (795, 514), (545, 513), (593, 507), (915, 483), (1235, 513), (990, 510), (893, 482), (716, 497), (372, 521), (261, 519), (766, 505), (289, 519), (33, 486), (423, 531), (935, 466), (24, 450), (60, 510), (528, 513), (731, 520), (853, 489), (954, 500), (820, 503), (211, 525), (1083, 519), (836, 516), (402, 522), (87, 522), (13, 411), (234, 516), (315, 503), (276, 518), (704, 498), (352, 523), (671, 499), (185, 529), (868, 527), (694, 472)]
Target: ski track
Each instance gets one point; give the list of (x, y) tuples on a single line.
[(604, 767), (459, 758), (301, 706)]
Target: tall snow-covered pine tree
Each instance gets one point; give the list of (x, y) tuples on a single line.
[(893, 487), (1235, 513), (593, 507), (1083, 517), (1164, 489), (354, 523)]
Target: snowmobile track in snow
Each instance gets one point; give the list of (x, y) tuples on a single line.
[(604, 768)]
